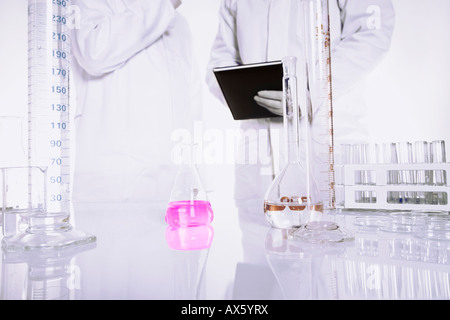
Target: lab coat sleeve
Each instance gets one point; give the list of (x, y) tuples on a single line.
[(110, 33), (367, 27), (225, 50)]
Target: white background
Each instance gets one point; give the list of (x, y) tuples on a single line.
[(408, 93)]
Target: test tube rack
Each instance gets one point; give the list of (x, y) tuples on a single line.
[(382, 194)]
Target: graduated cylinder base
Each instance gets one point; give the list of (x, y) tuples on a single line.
[(321, 232), (49, 240), (47, 232)]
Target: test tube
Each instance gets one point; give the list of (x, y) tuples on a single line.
[(422, 177), (387, 154), (365, 154), (438, 151), (353, 154), (370, 157), (357, 158), (405, 156), (437, 155), (344, 158)]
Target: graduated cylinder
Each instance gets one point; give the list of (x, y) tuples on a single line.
[(48, 91)]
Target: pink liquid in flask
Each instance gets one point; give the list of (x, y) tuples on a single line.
[(189, 213)]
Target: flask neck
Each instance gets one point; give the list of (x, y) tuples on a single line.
[(291, 118)]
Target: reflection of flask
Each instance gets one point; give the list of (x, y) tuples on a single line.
[(191, 247), (192, 238), (188, 204), (293, 191)]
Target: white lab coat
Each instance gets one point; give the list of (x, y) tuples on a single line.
[(136, 83), (253, 31)]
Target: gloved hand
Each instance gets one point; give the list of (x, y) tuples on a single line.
[(271, 100), (176, 3)]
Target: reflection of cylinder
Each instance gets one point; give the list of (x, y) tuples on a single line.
[(41, 275), (303, 270), (14, 277), (394, 280), (48, 283), (319, 90)]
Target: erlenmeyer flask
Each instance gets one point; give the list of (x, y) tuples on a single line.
[(188, 204), (293, 192)]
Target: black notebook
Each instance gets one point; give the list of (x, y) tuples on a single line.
[(239, 84)]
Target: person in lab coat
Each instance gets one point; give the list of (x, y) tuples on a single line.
[(266, 30), (136, 83)]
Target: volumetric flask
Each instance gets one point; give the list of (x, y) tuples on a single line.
[(293, 192), (188, 205), (49, 135)]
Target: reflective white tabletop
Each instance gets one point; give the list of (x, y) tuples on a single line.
[(136, 256)]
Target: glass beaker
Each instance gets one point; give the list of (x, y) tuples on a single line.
[(22, 196), (188, 205), (293, 192)]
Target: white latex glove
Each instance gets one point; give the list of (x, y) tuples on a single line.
[(176, 3), (271, 100)]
